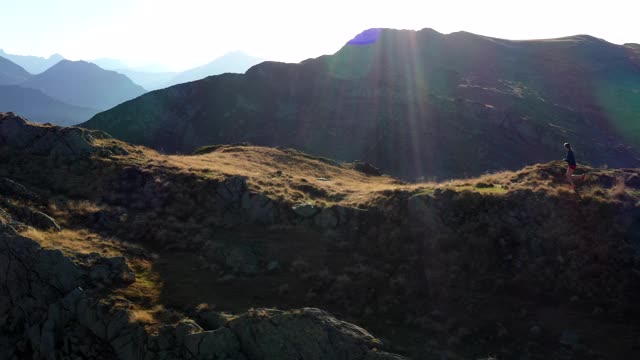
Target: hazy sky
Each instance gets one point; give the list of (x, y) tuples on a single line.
[(185, 33)]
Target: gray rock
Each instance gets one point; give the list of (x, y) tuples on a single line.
[(184, 328), (326, 219), (110, 270), (258, 208), (366, 168), (232, 189), (212, 320), (17, 134), (117, 323), (61, 316), (305, 210), (57, 271), (210, 345), (300, 334), (44, 221)]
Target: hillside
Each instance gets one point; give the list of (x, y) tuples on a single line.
[(84, 84), (11, 73), (33, 64), (197, 249), (41, 108), (416, 104)]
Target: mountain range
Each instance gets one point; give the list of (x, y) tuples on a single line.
[(10, 73), (41, 107), (85, 84), (66, 93), (415, 103), (234, 62), (70, 92), (33, 64)]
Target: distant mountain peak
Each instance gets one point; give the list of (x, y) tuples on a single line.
[(33, 64), (85, 84), (369, 36)]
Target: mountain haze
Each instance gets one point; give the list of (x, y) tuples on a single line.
[(11, 73), (33, 64), (110, 64), (85, 84), (40, 107), (149, 80), (234, 62), (415, 103)]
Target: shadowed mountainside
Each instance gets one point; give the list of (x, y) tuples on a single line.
[(84, 84), (41, 108), (11, 73), (171, 252), (413, 103)]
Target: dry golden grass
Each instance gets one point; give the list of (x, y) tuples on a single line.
[(146, 290), (293, 177), (74, 241), (280, 174), (145, 317)]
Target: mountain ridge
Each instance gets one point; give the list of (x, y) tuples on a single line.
[(85, 84), (33, 64), (438, 101), (11, 73)]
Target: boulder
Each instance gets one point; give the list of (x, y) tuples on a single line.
[(366, 168), (109, 271), (310, 334), (212, 320), (305, 210), (18, 134), (232, 189), (258, 208)]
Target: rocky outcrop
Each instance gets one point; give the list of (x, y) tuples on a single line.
[(301, 334), (17, 134), (24, 215), (48, 310)]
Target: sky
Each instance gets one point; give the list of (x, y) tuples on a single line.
[(185, 33)]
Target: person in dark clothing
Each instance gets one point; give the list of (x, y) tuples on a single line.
[(571, 162)]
